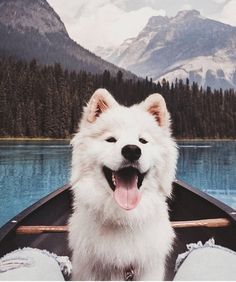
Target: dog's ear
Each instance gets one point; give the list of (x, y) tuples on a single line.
[(100, 101), (156, 106)]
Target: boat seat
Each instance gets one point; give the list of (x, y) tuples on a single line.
[(208, 262), (33, 264)]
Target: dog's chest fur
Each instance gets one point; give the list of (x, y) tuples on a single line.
[(112, 251)]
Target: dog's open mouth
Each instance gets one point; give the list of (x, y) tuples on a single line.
[(125, 183)]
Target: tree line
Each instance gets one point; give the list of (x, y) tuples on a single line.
[(47, 101)]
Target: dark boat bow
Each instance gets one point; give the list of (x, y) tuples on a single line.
[(187, 203)]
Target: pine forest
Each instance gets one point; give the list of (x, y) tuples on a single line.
[(47, 101)]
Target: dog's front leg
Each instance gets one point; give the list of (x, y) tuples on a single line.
[(82, 270)]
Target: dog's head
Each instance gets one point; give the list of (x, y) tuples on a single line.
[(123, 155)]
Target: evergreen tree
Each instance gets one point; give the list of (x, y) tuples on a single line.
[(47, 101)]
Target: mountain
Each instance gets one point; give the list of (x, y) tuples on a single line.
[(32, 29), (113, 53), (185, 46)]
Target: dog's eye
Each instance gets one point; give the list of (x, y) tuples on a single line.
[(143, 141), (111, 140)]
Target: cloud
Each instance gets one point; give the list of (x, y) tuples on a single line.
[(108, 23), (101, 22), (219, 1), (228, 13), (185, 7)]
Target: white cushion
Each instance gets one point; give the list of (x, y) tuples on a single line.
[(207, 263), (33, 264)]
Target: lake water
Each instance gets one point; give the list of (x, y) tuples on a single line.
[(31, 170)]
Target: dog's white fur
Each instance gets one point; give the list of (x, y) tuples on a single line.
[(106, 239)]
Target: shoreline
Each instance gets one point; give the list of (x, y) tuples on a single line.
[(68, 139), (33, 139), (207, 140)]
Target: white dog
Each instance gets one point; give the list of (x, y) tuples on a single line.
[(123, 165)]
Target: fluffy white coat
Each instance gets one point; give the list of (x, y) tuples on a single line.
[(104, 238)]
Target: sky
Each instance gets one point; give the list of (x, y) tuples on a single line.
[(107, 23)]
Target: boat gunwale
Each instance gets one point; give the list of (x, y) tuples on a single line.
[(13, 223), (219, 204)]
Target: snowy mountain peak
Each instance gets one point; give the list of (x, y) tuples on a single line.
[(32, 29), (37, 14), (185, 46), (157, 20), (187, 14)]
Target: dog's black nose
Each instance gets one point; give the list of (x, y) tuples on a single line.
[(131, 152)]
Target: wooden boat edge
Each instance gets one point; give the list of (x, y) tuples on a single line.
[(219, 204), (12, 224)]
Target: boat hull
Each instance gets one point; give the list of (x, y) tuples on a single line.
[(187, 203)]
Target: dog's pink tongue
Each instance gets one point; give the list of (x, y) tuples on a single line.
[(126, 193)]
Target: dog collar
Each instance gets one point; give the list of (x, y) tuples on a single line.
[(129, 273)]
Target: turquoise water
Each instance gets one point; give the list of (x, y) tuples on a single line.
[(28, 172), (211, 167), (31, 170)]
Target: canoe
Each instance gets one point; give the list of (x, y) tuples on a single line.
[(187, 204)]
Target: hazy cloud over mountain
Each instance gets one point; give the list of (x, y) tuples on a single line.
[(109, 22)]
